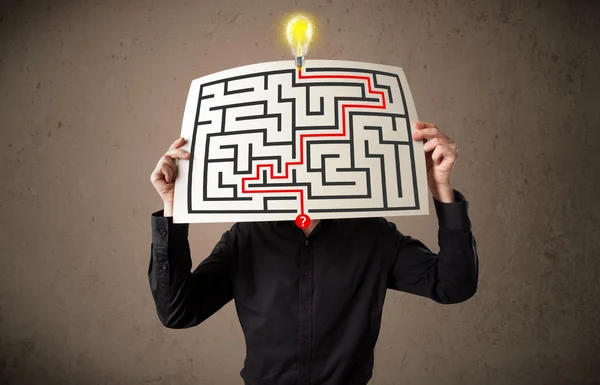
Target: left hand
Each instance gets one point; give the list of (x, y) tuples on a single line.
[(440, 156)]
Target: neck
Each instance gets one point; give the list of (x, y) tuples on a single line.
[(311, 227)]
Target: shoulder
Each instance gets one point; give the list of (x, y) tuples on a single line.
[(236, 238)]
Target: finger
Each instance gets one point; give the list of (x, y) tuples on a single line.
[(169, 161), (433, 143), (156, 174), (450, 151), (177, 153), (172, 165), (421, 125), (429, 133), (438, 155), (178, 143), (425, 133), (167, 172)]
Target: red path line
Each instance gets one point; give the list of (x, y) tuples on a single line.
[(341, 133)]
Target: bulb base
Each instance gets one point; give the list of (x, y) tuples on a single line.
[(299, 61)]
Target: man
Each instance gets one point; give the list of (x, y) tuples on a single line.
[(310, 301)]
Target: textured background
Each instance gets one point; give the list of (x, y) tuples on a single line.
[(92, 94)]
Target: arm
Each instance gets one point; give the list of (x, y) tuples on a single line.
[(447, 277), (183, 298)]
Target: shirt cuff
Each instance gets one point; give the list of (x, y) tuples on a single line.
[(453, 216), (165, 232)]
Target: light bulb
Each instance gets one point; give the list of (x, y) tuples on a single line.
[(299, 33)]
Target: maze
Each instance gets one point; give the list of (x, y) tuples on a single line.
[(323, 141)]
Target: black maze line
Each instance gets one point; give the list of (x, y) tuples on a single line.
[(249, 170), (381, 172), (372, 73), (280, 99), (307, 90), (292, 73), (267, 199), (324, 181), (294, 128), (203, 97), (266, 74), (227, 107), (351, 142), (266, 143), (411, 147), (321, 109), (396, 153), (310, 195), (233, 187), (292, 101), (295, 83), (310, 168), (361, 209), (227, 91), (241, 212), (279, 162)]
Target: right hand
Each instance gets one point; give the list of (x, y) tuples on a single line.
[(164, 175)]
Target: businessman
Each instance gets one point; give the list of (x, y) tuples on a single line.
[(309, 301)]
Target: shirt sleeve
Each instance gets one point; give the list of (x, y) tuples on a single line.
[(449, 276), (184, 298)]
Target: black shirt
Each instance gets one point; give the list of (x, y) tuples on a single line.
[(310, 307)]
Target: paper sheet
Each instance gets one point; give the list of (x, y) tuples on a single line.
[(269, 142)]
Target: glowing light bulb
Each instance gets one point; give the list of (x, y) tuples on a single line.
[(299, 33)]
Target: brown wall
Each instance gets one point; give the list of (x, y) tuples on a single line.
[(92, 93)]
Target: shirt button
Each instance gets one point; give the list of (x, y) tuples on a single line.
[(163, 232), (303, 340), (302, 367), (305, 274), (305, 307), (163, 266), (306, 242)]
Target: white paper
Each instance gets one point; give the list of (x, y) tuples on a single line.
[(268, 143)]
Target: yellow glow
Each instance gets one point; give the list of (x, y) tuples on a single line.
[(299, 33)]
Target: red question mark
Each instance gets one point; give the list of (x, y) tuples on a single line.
[(303, 221)]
